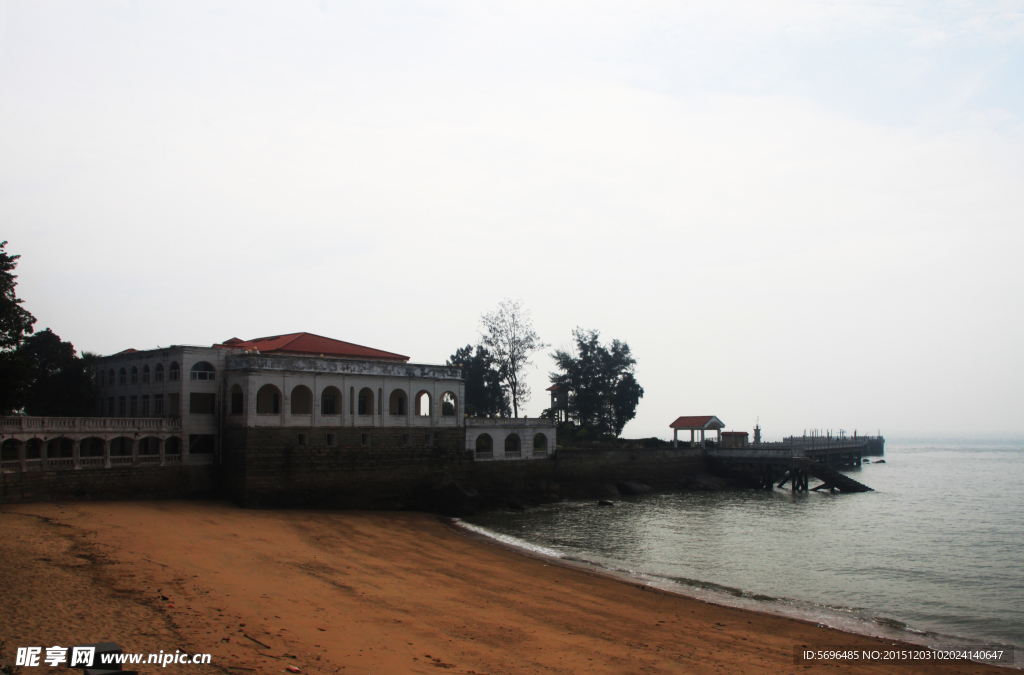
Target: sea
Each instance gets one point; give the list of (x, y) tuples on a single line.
[(935, 555)]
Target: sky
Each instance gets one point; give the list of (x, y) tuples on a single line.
[(809, 214)]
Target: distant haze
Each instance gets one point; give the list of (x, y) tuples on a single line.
[(809, 212)]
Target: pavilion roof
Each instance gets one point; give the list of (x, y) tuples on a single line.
[(697, 422)]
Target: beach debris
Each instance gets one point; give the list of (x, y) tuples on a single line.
[(164, 597), (322, 630), (256, 641), (293, 669), (605, 502)]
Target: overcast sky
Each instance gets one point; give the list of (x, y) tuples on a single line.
[(807, 212)]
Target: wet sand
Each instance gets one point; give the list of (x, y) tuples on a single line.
[(356, 592)]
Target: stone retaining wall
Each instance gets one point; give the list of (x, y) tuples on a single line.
[(140, 482)]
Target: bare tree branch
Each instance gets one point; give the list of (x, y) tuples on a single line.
[(508, 333)]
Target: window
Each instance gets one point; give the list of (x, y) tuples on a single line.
[(135, 375), (268, 400), (302, 401), (237, 400), (175, 373), (102, 378), (428, 439), (158, 404), (201, 371), (145, 374), (364, 439), (173, 404), (332, 440), (110, 377), (121, 404), (366, 401), (423, 404), (110, 406), (330, 401), (122, 376), (134, 405), (407, 439), (303, 439), (202, 444), (145, 405), (449, 404), (201, 404), (396, 404), (158, 373)]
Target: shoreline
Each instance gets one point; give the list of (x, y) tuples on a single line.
[(716, 594), (334, 593)]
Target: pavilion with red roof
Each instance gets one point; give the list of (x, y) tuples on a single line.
[(696, 423)]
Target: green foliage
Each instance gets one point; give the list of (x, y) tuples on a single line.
[(15, 320), (39, 373), (485, 394), (603, 393), (61, 382), (15, 323)]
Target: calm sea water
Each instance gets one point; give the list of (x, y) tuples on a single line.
[(935, 554)]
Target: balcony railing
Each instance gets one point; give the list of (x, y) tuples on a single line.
[(86, 424)]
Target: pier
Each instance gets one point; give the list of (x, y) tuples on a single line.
[(796, 460)]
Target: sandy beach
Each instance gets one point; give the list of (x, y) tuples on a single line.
[(357, 592)]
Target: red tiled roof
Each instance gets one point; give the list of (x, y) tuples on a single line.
[(554, 387), (310, 344), (735, 433), (697, 422)]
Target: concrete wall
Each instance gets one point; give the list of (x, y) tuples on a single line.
[(157, 482)]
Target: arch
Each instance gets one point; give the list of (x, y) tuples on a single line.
[(121, 447), (513, 446), (122, 376), (145, 374), (60, 447), (135, 375), (9, 450), (449, 404), (398, 404), (268, 400), (423, 404), (91, 447), (330, 401), (540, 442), (158, 373), (150, 445), (237, 400), (484, 445), (33, 448), (174, 371), (172, 446), (203, 370), (365, 401), (302, 400)]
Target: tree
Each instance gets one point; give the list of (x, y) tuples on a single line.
[(485, 394), (510, 337), (61, 382), (603, 393), (15, 323)]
